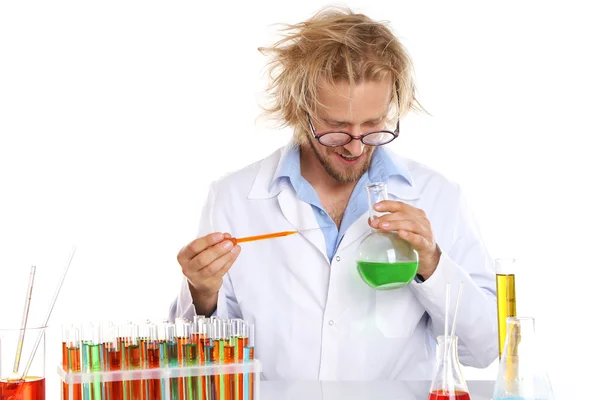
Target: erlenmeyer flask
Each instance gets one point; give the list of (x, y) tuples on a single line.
[(448, 383), (385, 260), (521, 375)]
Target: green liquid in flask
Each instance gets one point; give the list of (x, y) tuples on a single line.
[(392, 275)]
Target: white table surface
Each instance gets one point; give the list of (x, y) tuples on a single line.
[(387, 390)]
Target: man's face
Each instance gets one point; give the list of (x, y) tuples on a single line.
[(356, 111)]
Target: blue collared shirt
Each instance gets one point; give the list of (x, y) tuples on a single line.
[(381, 168)]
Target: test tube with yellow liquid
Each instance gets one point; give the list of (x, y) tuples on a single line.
[(506, 295)]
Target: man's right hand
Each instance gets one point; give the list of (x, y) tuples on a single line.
[(204, 262)]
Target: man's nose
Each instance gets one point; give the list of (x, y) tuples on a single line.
[(355, 147)]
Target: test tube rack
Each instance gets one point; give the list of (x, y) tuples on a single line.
[(205, 359), (193, 379)]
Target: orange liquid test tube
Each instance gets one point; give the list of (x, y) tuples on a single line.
[(153, 388), (74, 362), (229, 358), (113, 361), (242, 343), (65, 361), (182, 340)]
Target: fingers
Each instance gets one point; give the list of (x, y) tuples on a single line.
[(220, 266), (414, 222), (419, 242), (211, 254), (407, 225), (392, 206), (412, 227), (208, 277), (197, 246)]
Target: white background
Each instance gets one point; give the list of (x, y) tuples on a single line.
[(115, 116)]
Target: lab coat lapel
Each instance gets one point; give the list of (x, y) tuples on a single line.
[(302, 218)]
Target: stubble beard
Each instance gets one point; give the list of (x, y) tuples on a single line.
[(348, 176)]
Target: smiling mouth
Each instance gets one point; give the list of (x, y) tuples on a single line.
[(349, 160)]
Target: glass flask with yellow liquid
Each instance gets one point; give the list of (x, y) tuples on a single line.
[(385, 261), (506, 296)]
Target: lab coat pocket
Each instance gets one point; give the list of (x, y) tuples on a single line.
[(397, 312)]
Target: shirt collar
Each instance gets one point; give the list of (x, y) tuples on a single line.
[(383, 166)]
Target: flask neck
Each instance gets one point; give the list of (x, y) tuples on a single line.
[(376, 192), (447, 349), (520, 337), (448, 377)]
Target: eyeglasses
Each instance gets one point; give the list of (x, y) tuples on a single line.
[(337, 138)]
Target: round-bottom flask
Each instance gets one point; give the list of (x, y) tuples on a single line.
[(385, 260)]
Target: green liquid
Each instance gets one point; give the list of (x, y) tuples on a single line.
[(95, 366), (380, 275), (172, 355)]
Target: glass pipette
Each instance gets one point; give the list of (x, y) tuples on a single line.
[(269, 235), (15, 375), (45, 325)]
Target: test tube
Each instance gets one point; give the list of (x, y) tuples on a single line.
[(197, 337), (95, 359), (211, 358), (182, 331), (92, 360), (249, 356), (144, 336), (86, 339), (133, 388), (204, 344), (151, 359), (65, 358), (190, 359), (163, 354), (123, 330), (241, 341), (74, 360), (113, 360), (173, 359), (228, 358), (219, 356)]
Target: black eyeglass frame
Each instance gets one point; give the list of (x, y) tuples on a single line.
[(362, 137)]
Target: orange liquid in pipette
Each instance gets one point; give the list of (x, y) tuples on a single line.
[(262, 237)]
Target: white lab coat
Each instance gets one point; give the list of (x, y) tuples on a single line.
[(317, 320)]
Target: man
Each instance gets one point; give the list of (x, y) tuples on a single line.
[(341, 81)]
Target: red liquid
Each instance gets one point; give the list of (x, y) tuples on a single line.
[(65, 366), (153, 361), (75, 366), (33, 388), (114, 390), (447, 395), (133, 389)]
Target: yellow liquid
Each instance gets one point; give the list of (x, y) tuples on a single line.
[(507, 305)]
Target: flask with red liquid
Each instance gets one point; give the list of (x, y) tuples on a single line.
[(448, 383)]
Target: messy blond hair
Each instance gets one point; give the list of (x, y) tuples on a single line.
[(334, 45)]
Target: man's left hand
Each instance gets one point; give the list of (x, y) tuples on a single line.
[(413, 226)]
